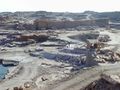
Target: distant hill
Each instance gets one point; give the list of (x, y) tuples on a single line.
[(45, 15), (25, 20), (113, 16)]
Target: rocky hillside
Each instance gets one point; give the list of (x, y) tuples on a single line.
[(113, 16)]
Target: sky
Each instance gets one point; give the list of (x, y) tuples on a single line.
[(60, 5)]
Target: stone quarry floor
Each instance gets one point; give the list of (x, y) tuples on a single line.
[(45, 74)]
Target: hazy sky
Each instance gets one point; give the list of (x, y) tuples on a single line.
[(60, 5)]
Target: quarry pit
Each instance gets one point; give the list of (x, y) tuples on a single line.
[(62, 60)]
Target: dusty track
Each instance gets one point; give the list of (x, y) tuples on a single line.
[(29, 71), (82, 79)]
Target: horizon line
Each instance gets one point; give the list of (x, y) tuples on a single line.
[(56, 11)]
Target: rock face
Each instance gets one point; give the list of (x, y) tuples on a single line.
[(50, 24), (90, 58), (38, 38), (107, 82), (102, 85), (10, 63), (113, 79), (72, 60)]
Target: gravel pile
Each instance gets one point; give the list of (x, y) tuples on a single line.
[(102, 85)]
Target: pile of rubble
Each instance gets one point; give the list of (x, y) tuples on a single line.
[(17, 39), (108, 56), (104, 38), (107, 82), (102, 54), (27, 86)]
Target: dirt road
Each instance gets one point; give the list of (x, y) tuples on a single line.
[(28, 72), (82, 79)]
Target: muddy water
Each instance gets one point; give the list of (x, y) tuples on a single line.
[(3, 71)]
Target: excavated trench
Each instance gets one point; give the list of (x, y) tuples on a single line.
[(84, 37), (74, 60), (75, 51)]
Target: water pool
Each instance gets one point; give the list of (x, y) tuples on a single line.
[(3, 71)]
